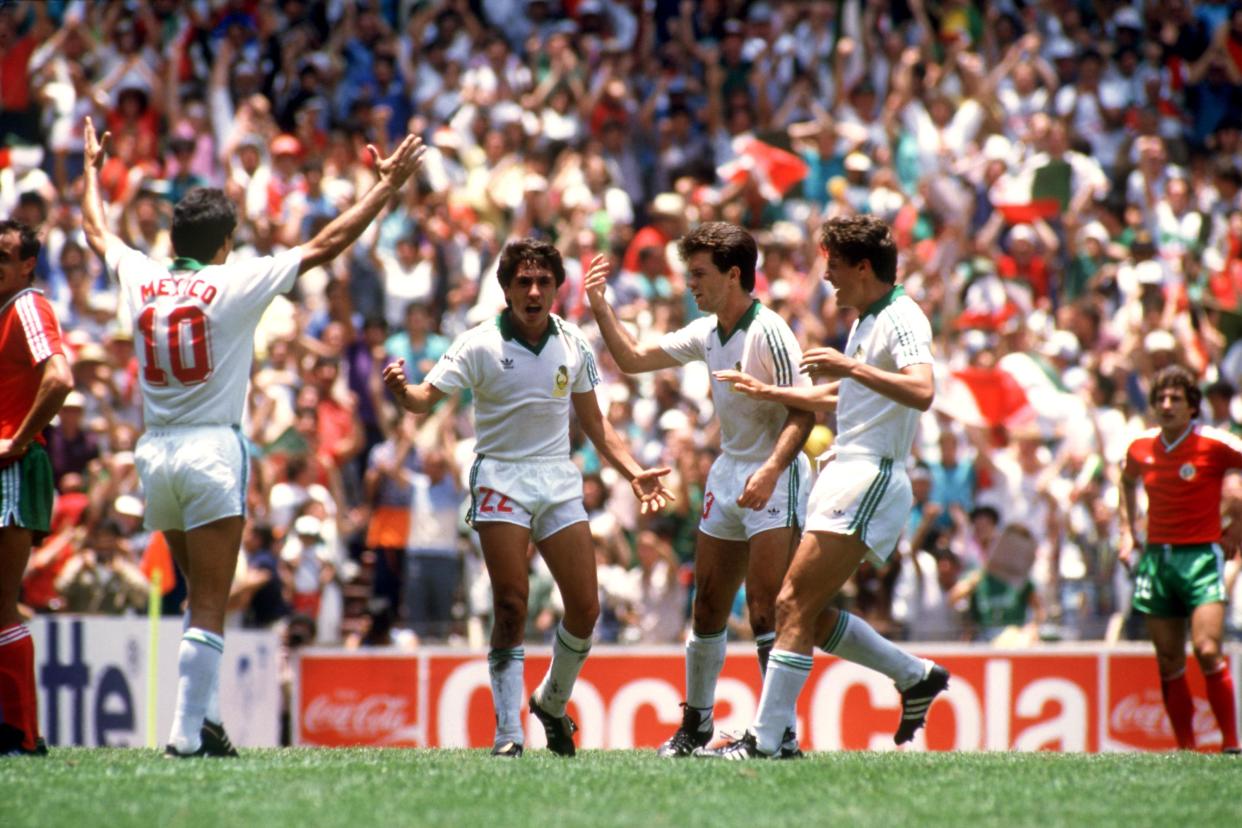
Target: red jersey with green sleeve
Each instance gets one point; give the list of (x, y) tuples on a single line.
[(29, 336), (1183, 482)]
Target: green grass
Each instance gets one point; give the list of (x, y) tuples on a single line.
[(84, 788)]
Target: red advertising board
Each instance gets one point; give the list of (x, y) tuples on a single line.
[(1066, 699)]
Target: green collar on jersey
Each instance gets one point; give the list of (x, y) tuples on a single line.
[(883, 302), (511, 335), (742, 324), (186, 263)]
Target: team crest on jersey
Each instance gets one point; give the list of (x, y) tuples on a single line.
[(1187, 471), (561, 384)]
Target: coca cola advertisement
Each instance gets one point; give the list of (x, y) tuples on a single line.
[(1078, 698)]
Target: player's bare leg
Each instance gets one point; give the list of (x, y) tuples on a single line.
[(1168, 635), (208, 555), (1207, 628), (719, 569), (770, 553), (505, 548), (18, 701), (570, 555)]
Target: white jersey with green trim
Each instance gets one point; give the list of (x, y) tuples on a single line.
[(521, 391), (194, 330), (891, 334), (762, 345)]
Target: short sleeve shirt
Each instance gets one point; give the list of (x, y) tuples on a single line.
[(521, 391), (29, 336), (1183, 481)]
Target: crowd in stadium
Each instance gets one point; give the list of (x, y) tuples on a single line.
[(1064, 179)]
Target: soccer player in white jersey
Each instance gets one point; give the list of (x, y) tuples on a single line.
[(755, 498), (862, 498), (528, 368), (195, 324)]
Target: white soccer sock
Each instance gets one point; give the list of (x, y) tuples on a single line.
[(569, 653), (853, 639), (213, 701), (763, 648), (506, 668), (198, 664), (705, 657), (787, 672)]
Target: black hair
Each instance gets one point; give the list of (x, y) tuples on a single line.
[(729, 246), (529, 251), (202, 222), (28, 244), (986, 511), (858, 238)]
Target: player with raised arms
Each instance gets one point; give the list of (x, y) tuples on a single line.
[(755, 497), (862, 497), (195, 324), (528, 368), (1182, 466)]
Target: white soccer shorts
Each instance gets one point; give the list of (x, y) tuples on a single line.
[(543, 495), (723, 518), (192, 475), (867, 496)]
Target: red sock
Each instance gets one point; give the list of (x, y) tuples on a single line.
[(1181, 709), (1220, 696), (19, 705)]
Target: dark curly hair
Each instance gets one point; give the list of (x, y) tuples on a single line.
[(28, 244), (529, 251), (855, 238), (729, 246)]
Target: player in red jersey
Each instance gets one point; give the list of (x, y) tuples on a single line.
[(34, 381), (1180, 574)]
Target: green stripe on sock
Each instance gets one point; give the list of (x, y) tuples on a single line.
[(201, 637), (838, 632), (561, 640), (792, 660)]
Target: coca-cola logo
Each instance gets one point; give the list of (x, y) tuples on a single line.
[(350, 715), (1143, 713)]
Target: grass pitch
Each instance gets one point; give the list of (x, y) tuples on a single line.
[(362, 788)]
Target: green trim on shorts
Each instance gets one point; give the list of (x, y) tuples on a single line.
[(871, 500), (27, 490), (474, 498), (1171, 580)]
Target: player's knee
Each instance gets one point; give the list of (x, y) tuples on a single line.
[(709, 612), (1207, 652), (583, 613), (510, 608), (1170, 664), (762, 614)]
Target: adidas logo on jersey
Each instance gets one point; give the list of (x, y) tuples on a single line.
[(774, 511), (506, 363)]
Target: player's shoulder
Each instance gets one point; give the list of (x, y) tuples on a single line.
[(485, 333), (770, 319), (567, 329), (1212, 434), (903, 310), (1144, 439)]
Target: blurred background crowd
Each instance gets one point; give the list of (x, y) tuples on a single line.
[(1064, 178)]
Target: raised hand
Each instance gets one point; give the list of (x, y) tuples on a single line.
[(651, 494), (395, 379), (94, 150), (596, 280), (403, 163)]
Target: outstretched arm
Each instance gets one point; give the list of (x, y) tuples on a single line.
[(93, 223), (651, 494), (912, 386), (344, 230), (801, 397), (631, 357)]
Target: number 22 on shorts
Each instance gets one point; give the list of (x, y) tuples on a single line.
[(486, 505), (183, 325)]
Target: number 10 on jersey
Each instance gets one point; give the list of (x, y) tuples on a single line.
[(176, 341)]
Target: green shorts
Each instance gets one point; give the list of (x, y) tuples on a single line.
[(1172, 580), (26, 490)]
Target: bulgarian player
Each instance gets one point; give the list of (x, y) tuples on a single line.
[(34, 381), (1180, 572)]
